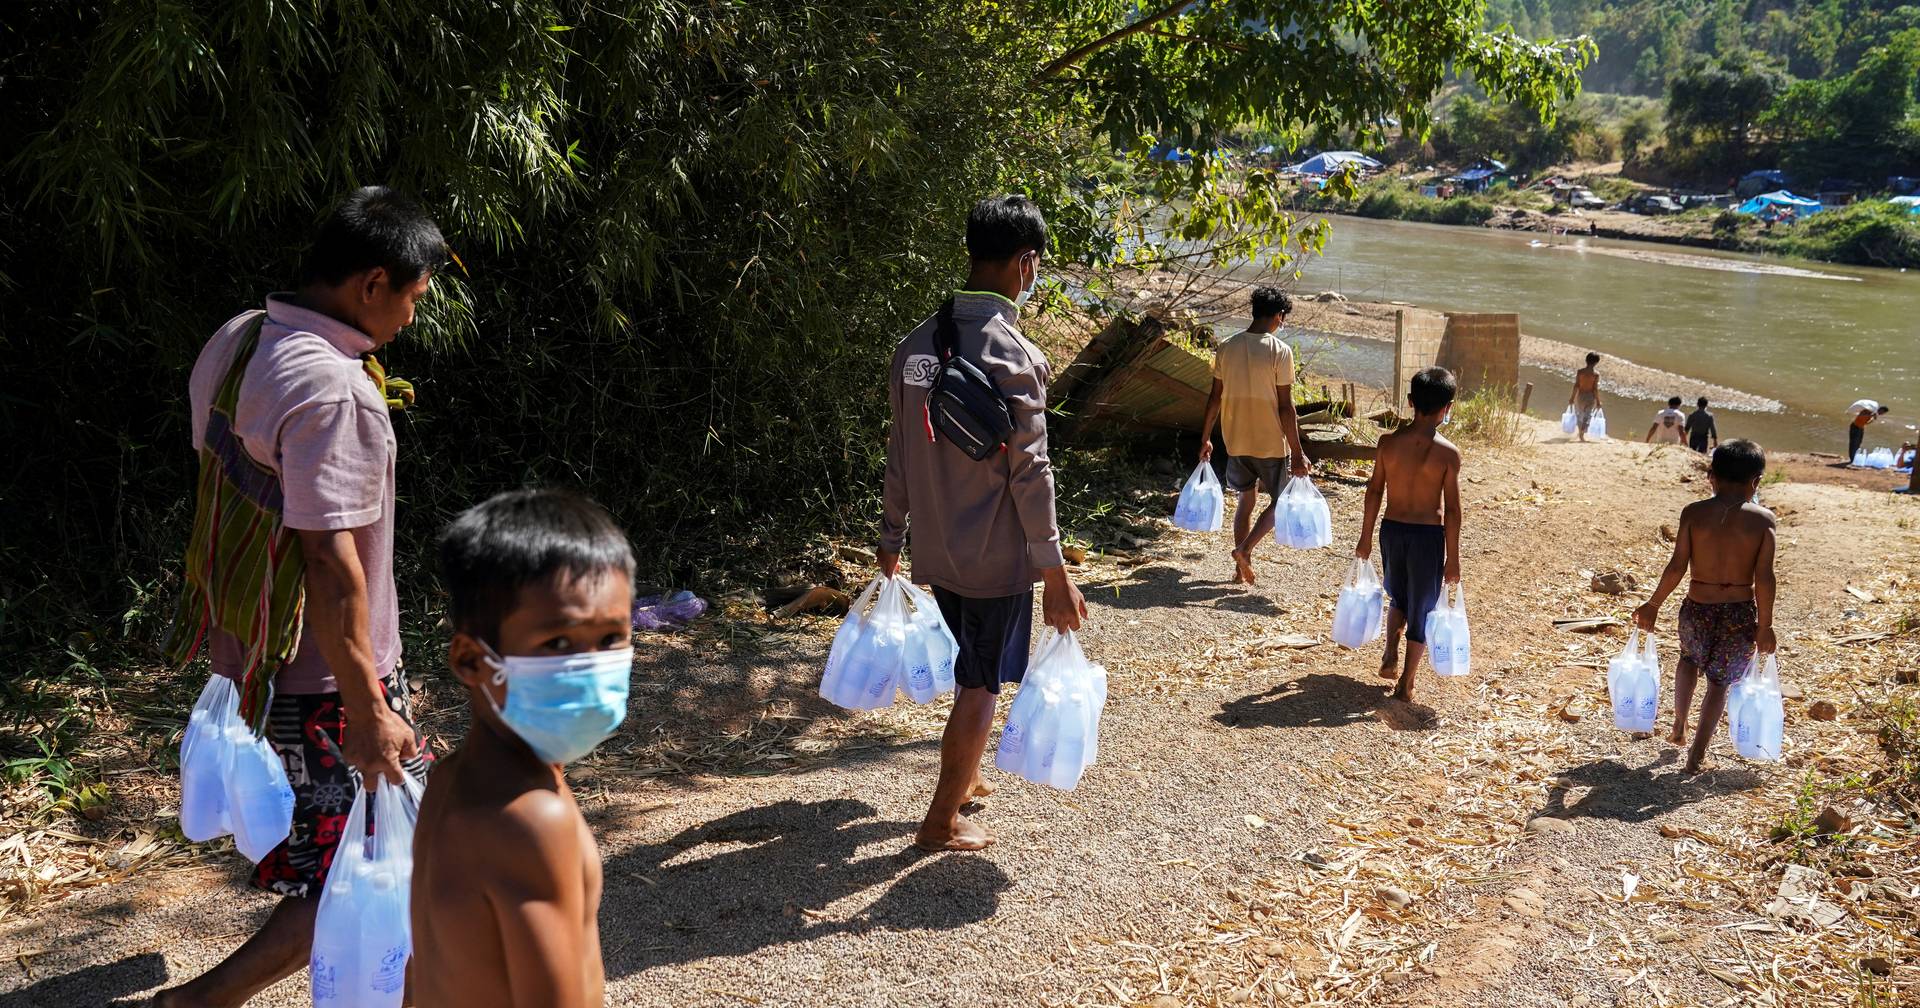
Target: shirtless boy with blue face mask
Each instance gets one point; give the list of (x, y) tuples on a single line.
[(506, 880)]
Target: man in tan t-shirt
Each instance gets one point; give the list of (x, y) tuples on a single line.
[(1252, 400)]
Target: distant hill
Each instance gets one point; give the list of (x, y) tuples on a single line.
[(1643, 42)]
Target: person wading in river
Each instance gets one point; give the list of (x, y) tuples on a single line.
[(297, 457), (1585, 397), (985, 531)]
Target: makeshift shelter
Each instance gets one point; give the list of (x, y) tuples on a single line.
[(1754, 183), (1911, 203), (1328, 162), (1778, 200)]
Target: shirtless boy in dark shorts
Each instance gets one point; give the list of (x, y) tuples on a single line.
[(1417, 472), (1727, 541), (506, 881)]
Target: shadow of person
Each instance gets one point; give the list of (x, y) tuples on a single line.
[(1319, 700), (1636, 794), (101, 984), (766, 876), (1159, 587)]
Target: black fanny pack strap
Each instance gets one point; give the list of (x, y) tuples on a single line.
[(946, 333)]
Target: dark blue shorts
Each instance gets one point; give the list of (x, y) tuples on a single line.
[(993, 633), (1413, 558)]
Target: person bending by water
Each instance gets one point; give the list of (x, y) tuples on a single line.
[(1868, 412), (1252, 399), (1669, 425), (1585, 397), (983, 532), (506, 880), (1726, 542), (1702, 433), (1417, 474)]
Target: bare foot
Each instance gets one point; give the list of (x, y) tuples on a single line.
[(981, 789), (1390, 666), (965, 835), (1242, 568), (1676, 737), (1691, 769)]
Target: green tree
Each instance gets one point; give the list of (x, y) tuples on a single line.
[(1721, 99), (1856, 126)]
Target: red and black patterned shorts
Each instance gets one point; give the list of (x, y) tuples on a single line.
[(1717, 637), (305, 730)]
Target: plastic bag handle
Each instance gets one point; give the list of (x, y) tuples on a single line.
[(1646, 648), (1633, 642), (859, 610)]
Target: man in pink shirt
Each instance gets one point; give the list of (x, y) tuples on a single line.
[(312, 414)]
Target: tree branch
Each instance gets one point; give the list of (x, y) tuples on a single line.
[(1075, 55)]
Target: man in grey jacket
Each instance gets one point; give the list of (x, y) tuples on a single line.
[(983, 532)]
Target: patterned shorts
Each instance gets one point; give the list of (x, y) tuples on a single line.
[(1717, 637), (305, 730)]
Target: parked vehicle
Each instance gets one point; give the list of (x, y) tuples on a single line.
[(1582, 198), (1658, 206)]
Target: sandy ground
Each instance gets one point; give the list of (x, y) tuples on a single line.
[(1228, 849)]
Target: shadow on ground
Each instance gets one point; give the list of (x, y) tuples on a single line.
[(1636, 794), (104, 984), (1319, 700), (1161, 587), (764, 876)]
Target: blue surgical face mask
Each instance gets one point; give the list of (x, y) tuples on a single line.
[(563, 706)]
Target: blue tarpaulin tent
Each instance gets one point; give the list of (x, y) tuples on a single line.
[(1911, 203), (1778, 199), (1328, 162)]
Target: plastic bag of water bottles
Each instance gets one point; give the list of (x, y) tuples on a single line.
[(1202, 504), (1757, 714), (1052, 733), (1598, 425), (231, 782), (1358, 618), (1633, 684), (1569, 421), (1880, 458), (930, 649), (204, 759), (1449, 644), (869, 651), (1300, 518), (362, 934)]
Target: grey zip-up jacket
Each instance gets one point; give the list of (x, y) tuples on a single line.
[(980, 529)]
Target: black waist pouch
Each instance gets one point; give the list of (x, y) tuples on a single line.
[(964, 405)]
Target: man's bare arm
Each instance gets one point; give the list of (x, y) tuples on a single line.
[(376, 739), (1213, 417), (1290, 427), (1451, 495), (1376, 493), (1649, 614), (1763, 593), (536, 886)]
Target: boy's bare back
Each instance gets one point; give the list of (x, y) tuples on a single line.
[(1415, 468), (506, 887), (1725, 543)]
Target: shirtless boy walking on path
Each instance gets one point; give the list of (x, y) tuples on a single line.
[(1417, 473), (1726, 541), (1586, 393)]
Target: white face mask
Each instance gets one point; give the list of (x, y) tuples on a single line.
[(1024, 296)]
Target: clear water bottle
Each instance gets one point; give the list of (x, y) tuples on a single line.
[(259, 799)]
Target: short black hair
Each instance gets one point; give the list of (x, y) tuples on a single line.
[(1703, 402), (1592, 358), (1739, 461), (1271, 301), (1886, 409), (374, 226), (1432, 390), (518, 538), (1673, 402), (1001, 227)]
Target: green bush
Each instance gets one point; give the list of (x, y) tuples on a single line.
[(1869, 233), (1396, 201)]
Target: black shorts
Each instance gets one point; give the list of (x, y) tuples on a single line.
[(1243, 470), (304, 728), (994, 634), (1413, 558)]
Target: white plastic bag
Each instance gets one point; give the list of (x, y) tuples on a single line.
[(1449, 643), (259, 799), (362, 934), (1598, 425), (869, 672), (1757, 714), (930, 649), (1358, 617), (1633, 684), (1569, 421), (1052, 732), (1301, 519), (1646, 690), (833, 679), (1202, 504), (204, 760)]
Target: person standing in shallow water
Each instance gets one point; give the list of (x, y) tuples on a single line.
[(983, 532), (1702, 433), (1252, 400), (1867, 412), (1585, 397)]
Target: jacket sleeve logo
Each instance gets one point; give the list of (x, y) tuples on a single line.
[(920, 369)]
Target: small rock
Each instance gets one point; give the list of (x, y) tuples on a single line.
[(1351, 311), (856, 555), (1614, 582), (1667, 533), (1396, 976), (1832, 820), (1823, 710), (1313, 858), (1877, 965), (1325, 296), (1573, 712), (1548, 824), (1392, 896), (1415, 821), (1790, 691), (1074, 554)]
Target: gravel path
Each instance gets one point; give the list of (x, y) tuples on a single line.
[(756, 841)]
